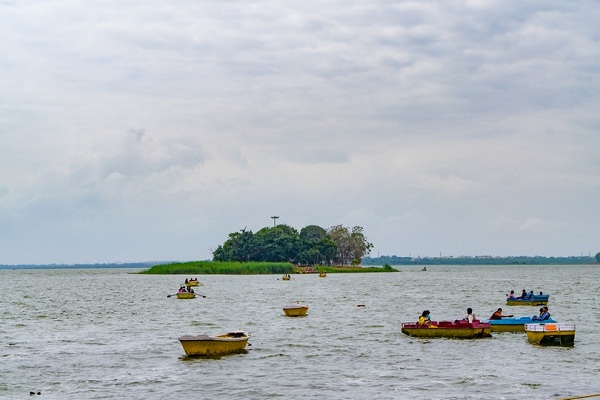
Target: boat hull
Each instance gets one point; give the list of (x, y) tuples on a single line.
[(551, 334), (447, 329), (186, 295), (514, 324), (210, 346), (323, 275), (192, 283), (536, 300), (295, 311)]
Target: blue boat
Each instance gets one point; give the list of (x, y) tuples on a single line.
[(535, 300), (515, 324)]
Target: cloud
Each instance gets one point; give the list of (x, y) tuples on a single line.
[(438, 126)]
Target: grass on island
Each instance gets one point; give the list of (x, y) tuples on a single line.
[(247, 268)]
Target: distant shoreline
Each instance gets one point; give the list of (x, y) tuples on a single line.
[(419, 262), (81, 266)]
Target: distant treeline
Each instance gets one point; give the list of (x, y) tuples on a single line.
[(481, 260), (77, 266)]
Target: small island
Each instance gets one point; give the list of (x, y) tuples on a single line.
[(283, 250)]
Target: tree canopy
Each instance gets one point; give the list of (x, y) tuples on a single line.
[(312, 245)]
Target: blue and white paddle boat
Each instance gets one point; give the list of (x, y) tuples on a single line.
[(516, 324), (534, 300)]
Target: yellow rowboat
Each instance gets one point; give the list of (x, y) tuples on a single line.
[(295, 310), (323, 275), (186, 295), (205, 345), (556, 334), (285, 278), (192, 283)]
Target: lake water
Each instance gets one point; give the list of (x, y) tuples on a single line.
[(111, 333)]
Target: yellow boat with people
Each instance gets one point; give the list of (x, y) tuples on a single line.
[(186, 295), (192, 282), (323, 275), (205, 345), (448, 329)]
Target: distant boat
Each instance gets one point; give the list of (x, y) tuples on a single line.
[(535, 300), (285, 278), (295, 310), (192, 283), (514, 324), (205, 345), (323, 275), (449, 329), (558, 334)]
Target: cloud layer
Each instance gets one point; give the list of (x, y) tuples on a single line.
[(132, 131)]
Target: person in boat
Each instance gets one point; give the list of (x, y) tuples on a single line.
[(424, 319), (191, 290), (470, 316), (523, 295), (530, 295), (182, 289), (511, 295), (186, 280), (544, 315), (498, 314), (537, 317)]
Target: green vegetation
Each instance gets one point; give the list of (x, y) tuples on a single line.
[(223, 268), (247, 268), (313, 245)]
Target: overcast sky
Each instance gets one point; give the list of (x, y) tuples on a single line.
[(137, 131)]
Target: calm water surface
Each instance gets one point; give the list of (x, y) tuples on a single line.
[(111, 333)]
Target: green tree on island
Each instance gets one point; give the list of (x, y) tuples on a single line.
[(312, 245)]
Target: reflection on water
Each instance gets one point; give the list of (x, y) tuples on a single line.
[(107, 333)]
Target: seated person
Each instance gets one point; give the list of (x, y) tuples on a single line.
[(498, 314), (544, 315), (511, 295), (470, 316), (536, 317), (424, 319)]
